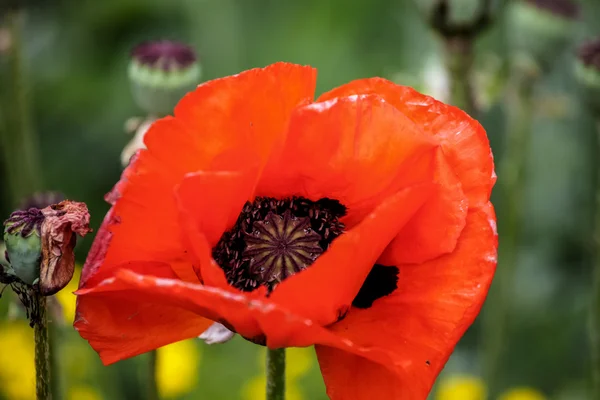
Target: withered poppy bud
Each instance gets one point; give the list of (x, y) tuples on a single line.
[(62, 223), (541, 29), (587, 72), (40, 243), (161, 73)]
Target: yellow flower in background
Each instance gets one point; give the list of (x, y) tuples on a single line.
[(462, 387), (522, 393), (17, 369), (299, 360), (177, 368), (66, 297), (82, 392)]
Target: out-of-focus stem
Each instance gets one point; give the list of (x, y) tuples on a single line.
[(152, 383), (511, 176), (275, 374), (19, 143), (459, 60), (42, 350), (595, 300)]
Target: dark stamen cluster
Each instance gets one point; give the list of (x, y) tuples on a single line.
[(273, 239), (24, 222)]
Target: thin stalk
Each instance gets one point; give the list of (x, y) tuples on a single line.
[(275, 374), (55, 333), (511, 175), (42, 350), (595, 301), (152, 382), (19, 143), (459, 62)]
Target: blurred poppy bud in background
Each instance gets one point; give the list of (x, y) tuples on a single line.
[(161, 73)]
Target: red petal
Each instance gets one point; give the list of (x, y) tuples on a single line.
[(357, 150), (463, 139), (419, 324), (248, 315), (244, 114), (233, 121), (436, 227), (118, 325), (213, 200), (336, 277)]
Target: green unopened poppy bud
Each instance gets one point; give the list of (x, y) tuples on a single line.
[(40, 244), (161, 73), (587, 71), (541, 29)]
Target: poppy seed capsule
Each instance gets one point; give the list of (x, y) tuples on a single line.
[(276, 238), (22, 235), (161, 73), (541, 29), (587, 72)]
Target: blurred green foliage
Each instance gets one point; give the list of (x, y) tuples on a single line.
[(77, 54)]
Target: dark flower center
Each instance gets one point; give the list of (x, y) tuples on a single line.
[(273, 239), (381, 281), (280, 246)]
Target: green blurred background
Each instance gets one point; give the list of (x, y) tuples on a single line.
[(77, 54)]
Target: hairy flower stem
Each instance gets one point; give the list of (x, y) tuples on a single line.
[(18, 141), (55, 333), (42, 350), (152, 384), (459, 62), (512, 178), (275, 374), (594, 317)]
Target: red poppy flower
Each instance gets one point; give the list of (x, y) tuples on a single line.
[(359, 223)]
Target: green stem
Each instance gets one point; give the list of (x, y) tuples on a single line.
[(595, 301), (19, 143), (275, 374), (459, 61), (55, 333), (512, 178), (152, 382), (42, 350)]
